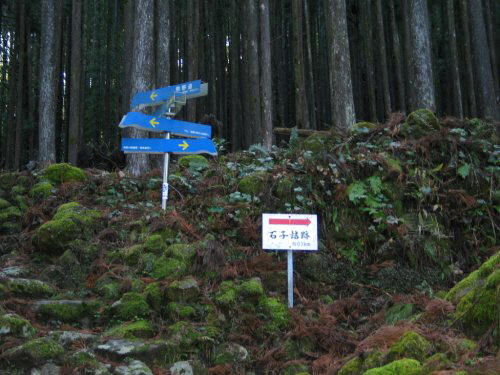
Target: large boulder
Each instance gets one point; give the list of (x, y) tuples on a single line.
[(63, 172), (420, 123)]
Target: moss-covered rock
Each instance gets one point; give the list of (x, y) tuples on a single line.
[(315, 143), (181, 251), (362, 127), (27, 287), (63, 172), (131, 306), (132, 254), (252, 184), (277, 314), (108, 289), (190, 337), (251, 288), (15, 326), (405, 366), (154, 244), (7, 180), (42, 190), (17, 190), (419, 123), (410, 345), (10, 213), (66, 311), (130, 330), (154, 294), (35, 352), (358, 365), (166, 267), (231, 353), (226, 296), (295, 369), (477, 297), (71, 221), (197, 162), (179, 310), (185, 290), (284, 188)]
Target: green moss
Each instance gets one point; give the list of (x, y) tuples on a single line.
[(362, 127), (191, 338), (284, 188), (131, 306), (131, 330), (403, 366), (251, 288), (10, 213), (252, 184), (21, 202), (181, 310), (75, 211), (197, 162), (227, 294), (154, 244), (398, 312), (476, 297), (352, 367), (7, 180), (37, 350), (15, 325), (315, 143), (109, 290), (63, 172), (164, 267), (296, 370), (67, 311), (42, 190), (276, 312), (29, 288), (419, 123), (411, 345), (131, 254), (436, 362), (3, 204), (183, 252)]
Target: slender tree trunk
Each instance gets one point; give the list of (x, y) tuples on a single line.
[(234, 50), (490, 31), (192, 29), (300, 95), (470, 87), (12, 101), (455, 74), (398, 67), (20, 118), (128, 45), (310, 63), (162, 14), (366, 31), (266, 76), (487, 100), (339, 65), (251, 62), (75, 79), (142, 73), (32, 92), (383, 59), (49, 64), (421, 78)]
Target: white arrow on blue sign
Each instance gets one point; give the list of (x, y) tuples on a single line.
[(163, 124), (161, 95), (176, 146)]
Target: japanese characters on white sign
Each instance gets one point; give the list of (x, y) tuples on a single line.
[(289, 232)]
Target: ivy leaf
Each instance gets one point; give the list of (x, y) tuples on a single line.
[(464, 170)]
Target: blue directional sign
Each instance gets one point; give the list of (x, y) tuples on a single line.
[(161, 95), (162, 124), (176, 146)]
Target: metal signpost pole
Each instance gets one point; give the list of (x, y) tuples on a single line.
[(290, 278), (164, 190)]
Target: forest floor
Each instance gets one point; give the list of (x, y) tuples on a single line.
[(96, 279)]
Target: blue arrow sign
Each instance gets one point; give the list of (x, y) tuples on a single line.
[(162, 124), (176, 146), (161, 95)]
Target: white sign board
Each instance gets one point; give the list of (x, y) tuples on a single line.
[(289, 232)]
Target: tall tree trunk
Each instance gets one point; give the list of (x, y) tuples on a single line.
[(487, 100), (490, 32), (398, 67), (142, 73), (12, 101), (75, 79), (128, 45), (162, 15), (421, 78), (192, 29), (367, 46), (342, 101), (234, 50), (310, 69), (300, 95), (469, 76), (266, 76), (32, 93), (20, 118), (49, 82), (455, 74), (251, 101), (383, 59)]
